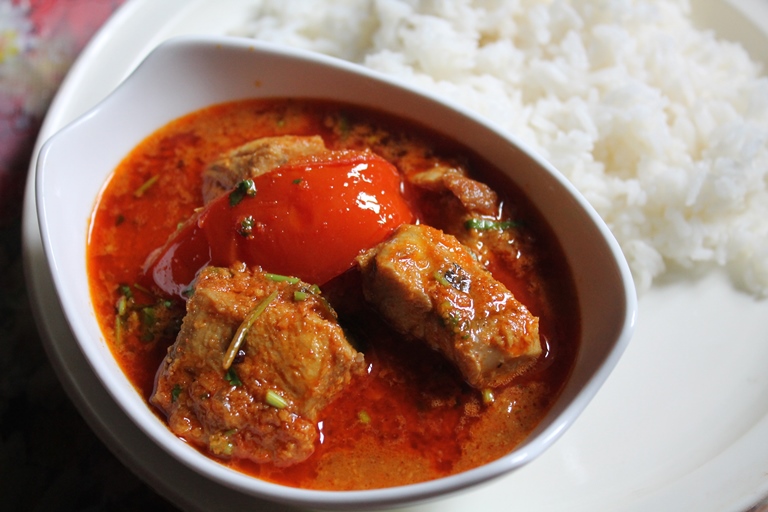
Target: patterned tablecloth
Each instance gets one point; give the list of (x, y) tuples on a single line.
[(49, 458)]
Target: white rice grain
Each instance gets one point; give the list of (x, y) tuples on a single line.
[(662, 126)]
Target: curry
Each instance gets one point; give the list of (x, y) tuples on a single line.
[(326, 297)]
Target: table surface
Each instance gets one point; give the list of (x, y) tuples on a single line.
[(49, 458)]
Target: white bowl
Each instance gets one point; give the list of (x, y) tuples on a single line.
[(186, 74)]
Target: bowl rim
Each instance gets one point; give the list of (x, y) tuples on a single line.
[(524, 453)]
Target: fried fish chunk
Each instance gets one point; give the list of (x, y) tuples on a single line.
[(262, 402), (254, 159), (429, 287)]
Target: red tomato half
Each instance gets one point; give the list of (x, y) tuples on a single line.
[(309, 219), (173, 267)]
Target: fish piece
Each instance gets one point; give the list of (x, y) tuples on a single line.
[(474, 197), (254, 159), (291, 359), (428, 286), (475, 214)]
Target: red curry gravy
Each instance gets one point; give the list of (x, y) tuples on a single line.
[(411, 417)]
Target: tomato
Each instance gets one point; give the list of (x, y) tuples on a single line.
[(174, 266), (308, 219)]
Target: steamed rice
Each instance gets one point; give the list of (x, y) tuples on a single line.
[(661, 126)]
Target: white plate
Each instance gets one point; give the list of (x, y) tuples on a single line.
[(682, 423)]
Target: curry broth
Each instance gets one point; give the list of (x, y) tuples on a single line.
[(411, 417)]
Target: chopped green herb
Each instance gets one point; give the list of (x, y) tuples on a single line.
[(488, 224), (453, 319), (148, 316), (441, 278), (304, 292), (243, 189), (142, 288), (275, 400), (246, 226), (119, 219), (220, 444), (122, 305), (126, 291), (364, 417), (278, 278), (118, 330), (232, 377), (175, 392), (239, 337), (149, 322), (146, 186), (297, 181)]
